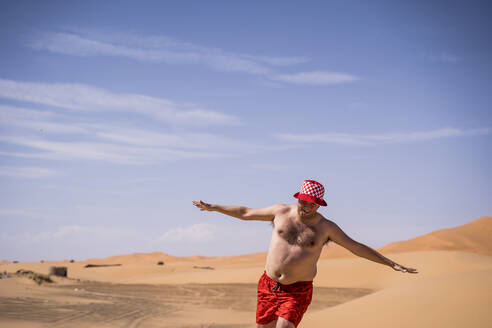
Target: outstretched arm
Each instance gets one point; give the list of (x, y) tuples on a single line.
[(241, 212), (338, 236)]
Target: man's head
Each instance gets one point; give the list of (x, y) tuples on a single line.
[(310, 198), (306, 209)]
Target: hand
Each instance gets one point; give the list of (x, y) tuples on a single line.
[(401, 268), (202, 205)]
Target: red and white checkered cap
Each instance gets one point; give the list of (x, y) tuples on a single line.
[(312, 191)]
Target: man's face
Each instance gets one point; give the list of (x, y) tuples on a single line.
[(306, 209)]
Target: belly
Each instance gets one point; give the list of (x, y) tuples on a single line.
[(288, 264)]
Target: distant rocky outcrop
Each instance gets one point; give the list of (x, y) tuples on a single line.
[(37, 277), (58, 271), (203, 267), (100, 265)]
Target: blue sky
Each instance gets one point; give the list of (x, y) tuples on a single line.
[(115, 115)]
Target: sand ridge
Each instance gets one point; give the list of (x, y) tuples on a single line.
[(442, 296), (473, 237), (453, 288)]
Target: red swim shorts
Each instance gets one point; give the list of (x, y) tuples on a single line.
[(286, 301)]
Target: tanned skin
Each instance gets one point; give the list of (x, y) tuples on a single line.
[(299, 233)]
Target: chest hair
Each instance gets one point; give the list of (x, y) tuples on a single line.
[(296, 233)]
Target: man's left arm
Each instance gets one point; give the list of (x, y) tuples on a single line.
[(338, 236)]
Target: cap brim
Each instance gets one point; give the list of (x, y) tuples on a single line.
[(309, 198)]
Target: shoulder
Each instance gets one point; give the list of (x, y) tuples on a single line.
[(282, 212), (281, 208), (328, 224), (275, 209)]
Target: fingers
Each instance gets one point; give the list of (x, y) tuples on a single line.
[(409, 270), (401, 268), (201, 205), (198, 204)]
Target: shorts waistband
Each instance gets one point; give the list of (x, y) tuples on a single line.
[(296, 284)]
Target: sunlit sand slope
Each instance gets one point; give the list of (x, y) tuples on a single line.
[(474, 237), (453, 289)]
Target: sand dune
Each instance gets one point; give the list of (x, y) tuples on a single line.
[(136, 258), (458, 300), (453, 288), (473, 237), (334, 251)]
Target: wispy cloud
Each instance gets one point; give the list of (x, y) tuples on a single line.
[(85, 98), (21, 213), (158, 49), (278, 61), (51, 123), (70, 233), (70, 242), (195, 233), (163, 49), (389, 138), (446, 58), (315, 78), (53, 136), (102, 151), (62, 233), (26, 172)]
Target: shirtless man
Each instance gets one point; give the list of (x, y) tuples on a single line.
[(299, 234)]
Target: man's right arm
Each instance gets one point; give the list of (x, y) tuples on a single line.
[(338, 236), (241, 212)]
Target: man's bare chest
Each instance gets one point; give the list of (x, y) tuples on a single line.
[(298, 233)]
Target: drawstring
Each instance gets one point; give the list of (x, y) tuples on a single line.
[(274, 289)]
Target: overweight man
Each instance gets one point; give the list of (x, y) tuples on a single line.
[(299, 233)]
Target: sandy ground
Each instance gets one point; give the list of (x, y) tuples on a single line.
[(83, 303), (453, 289)]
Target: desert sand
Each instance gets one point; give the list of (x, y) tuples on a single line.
[(453, 288)]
